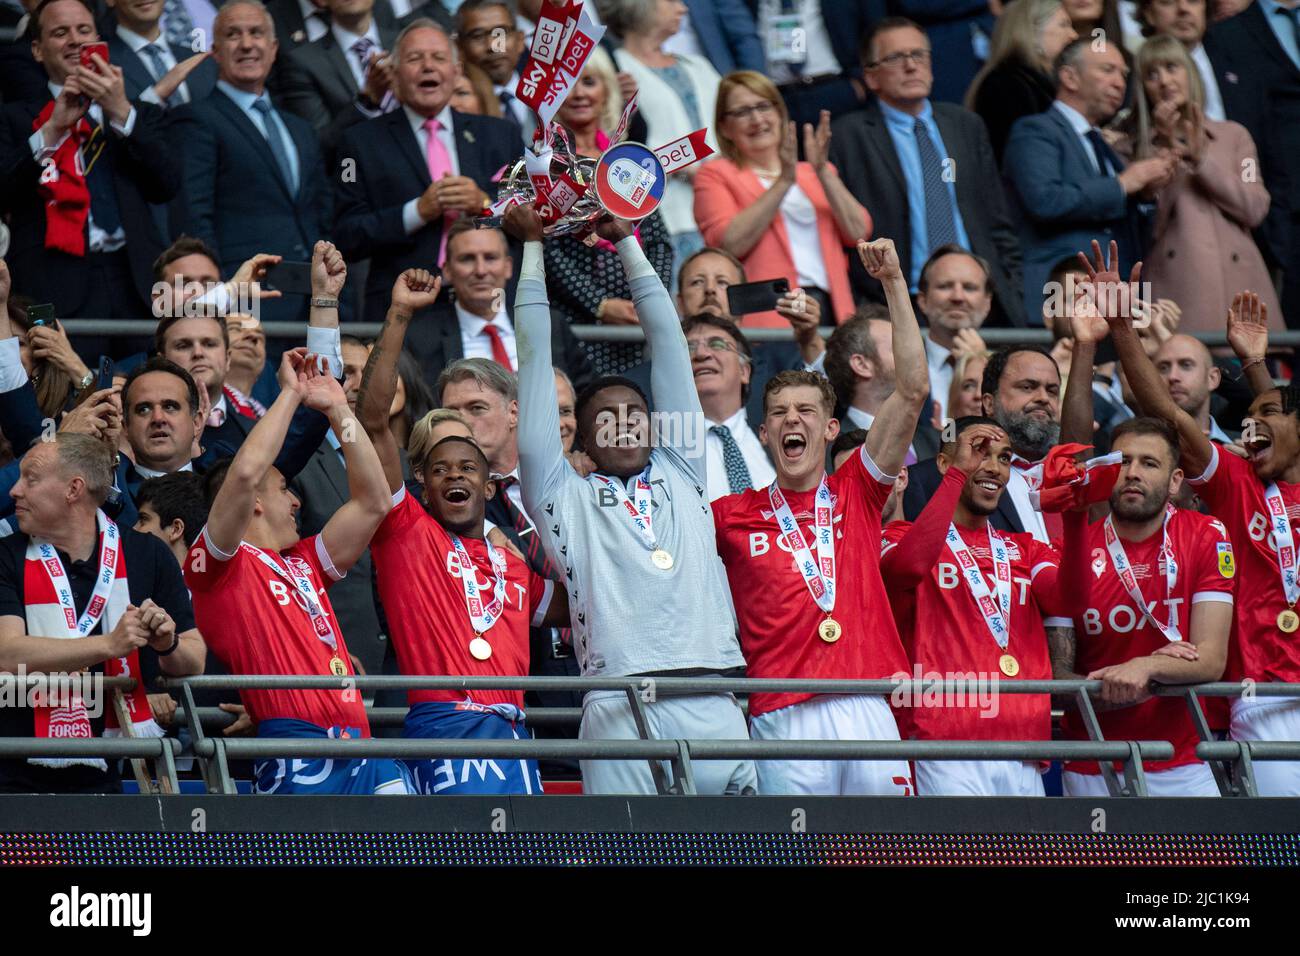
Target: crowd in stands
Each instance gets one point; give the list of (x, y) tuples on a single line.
[(475, 490)]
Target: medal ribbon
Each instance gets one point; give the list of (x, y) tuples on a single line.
[(1285, 543), (638, 512), (997, 614), (1128, 579), (109, 552), (818, 575), (319, 621), (481, 616)]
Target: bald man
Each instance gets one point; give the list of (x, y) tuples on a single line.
[(1191, 376)]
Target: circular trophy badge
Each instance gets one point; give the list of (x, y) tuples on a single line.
[(629, 181)]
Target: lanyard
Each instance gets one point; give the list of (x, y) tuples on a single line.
[(818, 575), (304, 587), (638, 512), (1119, 559), (997, 614), (1285, 543), (481, 616)]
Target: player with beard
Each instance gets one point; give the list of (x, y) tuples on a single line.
[(1162, 590), (1257, 499), (455, 604), (647, 592), (809, 545), (973, 600)]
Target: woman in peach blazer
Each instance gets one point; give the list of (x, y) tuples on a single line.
[(1202, 252), (780, 217)]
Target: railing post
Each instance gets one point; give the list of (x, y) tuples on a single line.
[(1093, 726), (643, 728), (683, 775), (1222, 779), (1245, 769), (1135, 777)]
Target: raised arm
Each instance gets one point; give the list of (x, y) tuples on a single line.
[(895, 424), (1113, 300), (1248, 336), (414, 289), (1089, 328), (852, 221), (349, 530), (232, 509), (542, 463)]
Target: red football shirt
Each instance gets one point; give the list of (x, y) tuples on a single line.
[(945, 634), (419, 583), (778, 617), (1260, 650), (257, 623), (1113, 631)]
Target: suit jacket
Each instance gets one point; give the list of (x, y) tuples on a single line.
[(1261, 90), (316, 83), (237, 199), (145, 170), (1012, 90), (864, 154), (951, 26), (727, 34), (1064, 202), (722, 190), (137, 78), (391, 170), (21, 77), (435, 342), (923, 480), (322, 487)]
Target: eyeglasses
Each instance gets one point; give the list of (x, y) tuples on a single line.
[(745, 112), (919, 57), (714, 343)]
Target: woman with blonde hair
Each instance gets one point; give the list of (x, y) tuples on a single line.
[(780, 217), (1017, 79), (1202, 252)]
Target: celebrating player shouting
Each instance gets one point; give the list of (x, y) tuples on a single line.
[(1258, 501), (455, 604), (259, 592), (648, 595), (1160, 605), (975, 602), (809, 545)]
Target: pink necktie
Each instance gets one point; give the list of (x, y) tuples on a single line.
[(439, 165)]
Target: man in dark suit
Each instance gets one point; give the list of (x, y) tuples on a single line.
[(254, 179), (1263, 42), (824, 72), (320, 81), (925, 170), (722, 31), (93, 257), (416, 168), (1022, 392), (138, 46), (959, 32), (21, 77), (1070, 186), (476, 321), (488, 37)]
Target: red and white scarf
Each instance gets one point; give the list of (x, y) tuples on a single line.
[(63, 187), (50, 612)]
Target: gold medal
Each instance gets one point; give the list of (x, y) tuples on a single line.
[(1288, 621), (1009, 665), (830, 630), (480, 648), (337, 667), (662, 559)]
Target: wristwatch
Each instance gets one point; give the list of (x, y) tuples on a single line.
[(176, 642), (321, 302)]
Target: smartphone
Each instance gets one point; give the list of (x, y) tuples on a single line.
[(105, 373), (749, 297), (42, 314), (90, 49), (291, 278)]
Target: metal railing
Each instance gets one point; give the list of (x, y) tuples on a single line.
[(628, 334), (1230, 761)]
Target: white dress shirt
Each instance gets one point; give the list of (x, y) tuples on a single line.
[(411, 219), (98, 239), (818, 56), (761, 472), (316, 23), (346, 39), (800, 219), (475, 344), (941, 371), (147, 473), (515, 493), (137, 44), (1213, 98)]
